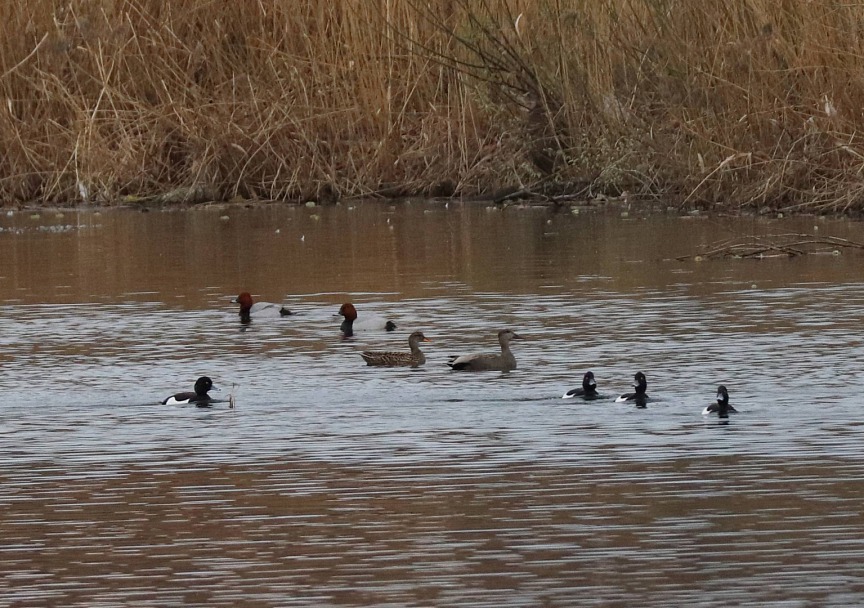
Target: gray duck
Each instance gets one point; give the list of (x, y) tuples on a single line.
[(489, 361)]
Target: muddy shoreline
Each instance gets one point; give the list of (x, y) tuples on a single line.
[(505, 198)]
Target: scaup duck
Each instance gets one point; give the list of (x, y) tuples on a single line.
[(587, 391), (350, 324), (489, 361), (722, 406), (200, 397), (639, 397)]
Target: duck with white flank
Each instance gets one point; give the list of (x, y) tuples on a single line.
[(199, 398), (587, 391), (639, 397), (722, 406)]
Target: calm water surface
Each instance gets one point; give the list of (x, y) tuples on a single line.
[(335, 484)]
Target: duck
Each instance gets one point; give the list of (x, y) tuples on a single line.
[(396, 359), (587, 391), (350, 324), (639, 397), (250, 308), (722, 406), (200, 397), (489, 361)]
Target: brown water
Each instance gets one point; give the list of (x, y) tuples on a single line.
[(335, 484)]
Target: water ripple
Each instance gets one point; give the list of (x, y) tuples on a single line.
[(333, 483)]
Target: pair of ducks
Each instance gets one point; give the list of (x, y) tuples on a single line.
[(505, 361), (588, 390), (250, 309), (639, 397)]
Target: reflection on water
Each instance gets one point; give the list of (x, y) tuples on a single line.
[(336, 483)]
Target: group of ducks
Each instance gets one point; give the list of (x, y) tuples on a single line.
[(503, 361), (639, 397)]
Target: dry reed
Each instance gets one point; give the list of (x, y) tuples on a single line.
[(729, 102)]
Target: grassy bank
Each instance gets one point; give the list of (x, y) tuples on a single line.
[(738, 102)]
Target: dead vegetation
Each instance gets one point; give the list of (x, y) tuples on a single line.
[(720, 102), (773, 245)]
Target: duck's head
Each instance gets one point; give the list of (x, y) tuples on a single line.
[(203, 385), (588, 381), (245, 301), (722, 395), (416, 337), (348, 311), (505, 335)]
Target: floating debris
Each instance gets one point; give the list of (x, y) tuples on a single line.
[(775, 245), (232, 400)]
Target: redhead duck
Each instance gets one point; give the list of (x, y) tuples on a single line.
[(397, 359), (350, 324), (722, 406), (249, 308), (587, 391), (639, 397), (490, 361), (200, 397)]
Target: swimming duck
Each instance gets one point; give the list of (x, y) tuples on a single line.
[(200, 397), (639, 397), (489, 361), (395, 359), (249, 308), (722, 406), (350, 324), (587, 391)]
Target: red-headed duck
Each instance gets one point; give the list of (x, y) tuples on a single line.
[(490, 361), (350, 324), (396, 359), (250, 308), (199, 398)]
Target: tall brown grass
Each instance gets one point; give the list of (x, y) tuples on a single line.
[(734, 102)]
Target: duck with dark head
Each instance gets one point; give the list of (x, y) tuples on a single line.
[(199, 397)]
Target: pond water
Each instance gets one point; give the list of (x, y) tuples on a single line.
[(333, 483)]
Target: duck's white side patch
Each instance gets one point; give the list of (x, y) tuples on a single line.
[(173, 401)]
